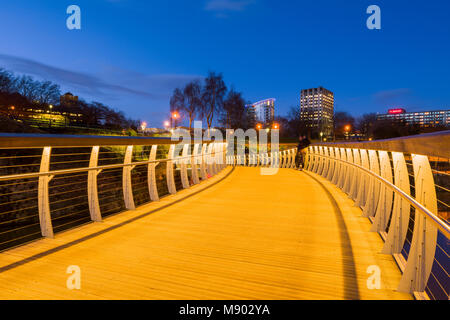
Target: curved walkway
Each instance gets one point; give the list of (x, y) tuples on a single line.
[(240, 235)]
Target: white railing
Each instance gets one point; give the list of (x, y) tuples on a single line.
[(378, 182), (279, 159), (202, 159)]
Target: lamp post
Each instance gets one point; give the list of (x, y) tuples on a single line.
[(347, 129), (173, 118), (166, 125), (143, 126)]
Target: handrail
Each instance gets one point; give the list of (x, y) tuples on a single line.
[(13, 140), (106, 167), (430, 144), (441, 225)]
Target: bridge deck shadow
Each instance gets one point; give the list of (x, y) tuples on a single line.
[(288, 236)]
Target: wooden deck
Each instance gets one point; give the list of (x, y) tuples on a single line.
[(238, 236)]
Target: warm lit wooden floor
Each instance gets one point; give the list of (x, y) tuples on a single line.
[(247, 237)]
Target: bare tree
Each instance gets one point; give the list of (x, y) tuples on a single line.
[(192, 96), (28, 87), (213, 95), (48, 92), (7, 81), (234, 115)]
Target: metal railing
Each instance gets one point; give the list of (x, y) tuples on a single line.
[(400, 199), (50, 182), (278, 159)]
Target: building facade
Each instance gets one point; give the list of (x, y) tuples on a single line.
[(262, 112), (317, 110), (422, 119)]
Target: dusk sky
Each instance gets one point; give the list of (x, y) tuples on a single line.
[(131, 54)]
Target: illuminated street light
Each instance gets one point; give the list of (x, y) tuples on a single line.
[(173, 119), (143, 126), (276, 126), (166, 124), (259, 126)]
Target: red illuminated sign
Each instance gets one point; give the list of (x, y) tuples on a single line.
[(396, 111)]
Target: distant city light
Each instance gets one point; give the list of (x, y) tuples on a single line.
[(396, 111)]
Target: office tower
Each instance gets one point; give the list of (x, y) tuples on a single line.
[(316, 111), (262, 112)]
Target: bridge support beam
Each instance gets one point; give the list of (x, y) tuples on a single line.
[(45, 219), (384, 205), (94, 206), (183, 166), (401, 210), (151, 174), (126, 179), (423, 244), (370, 206), (196, 156), (169, 170)]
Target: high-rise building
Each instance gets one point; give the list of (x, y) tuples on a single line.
[(262, 112), (422, 119), (316, 111)]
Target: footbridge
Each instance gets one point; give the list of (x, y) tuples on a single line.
[(142, 218)]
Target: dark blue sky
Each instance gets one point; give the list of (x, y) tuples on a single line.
[(130, 54)]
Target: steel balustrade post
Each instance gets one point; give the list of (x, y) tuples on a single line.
[(337, 167), (349, 171), (355, 179), (45, 218), (94, 206), (209, 165), (332, 164), (203, 159), (363, 188), (326, 162), (384, 205), (309, 159), (423, 244), (373, 194), (126, 179), (214, 158), (316, 159), (183, 166), (293, 153), (343, 169), (321, 161), (170, 171), (401, 209), (196, 154), (151, 174)]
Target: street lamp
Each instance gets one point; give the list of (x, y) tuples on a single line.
[(175, 116), (276, 126), (166, 124), (347, 129), (259, 126), (143, 126), (321, 135)]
